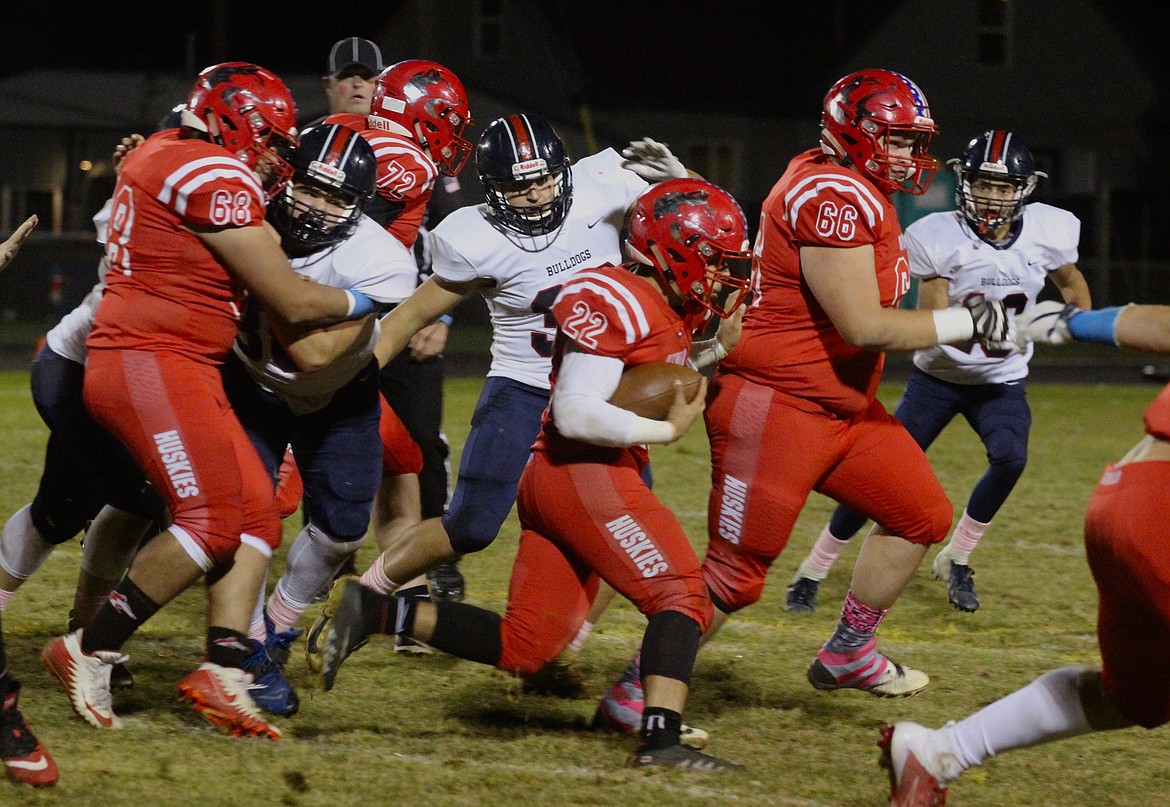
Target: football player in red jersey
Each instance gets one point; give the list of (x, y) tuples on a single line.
[(586, 513), (187, 239), (1125, 543), (793, 408)]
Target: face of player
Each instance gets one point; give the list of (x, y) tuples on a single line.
[(993, 197), (311, 196), (532, 195), (900, 147), (350, 92)]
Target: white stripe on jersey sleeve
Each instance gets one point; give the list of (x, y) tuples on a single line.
[(183, 192), (625, 303), (810, 187), (226, 167)]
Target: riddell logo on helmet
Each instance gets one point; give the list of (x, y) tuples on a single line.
[(330, 173), (529, 169)]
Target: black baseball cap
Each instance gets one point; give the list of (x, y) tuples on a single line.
[(354, 55)]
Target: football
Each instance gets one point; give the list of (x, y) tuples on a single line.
[(648, 389)]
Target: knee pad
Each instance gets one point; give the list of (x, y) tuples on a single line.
[(471, 530), (670, 645)]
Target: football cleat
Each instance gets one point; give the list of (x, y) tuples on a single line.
[(862, 672), (221, 695), (681, 756), (620, 710), (560, 678), (26, 761), (802, 595), (447, 582), (346, 631), (960, 581), (270, 689), (905, 758), (412, 647), (86, 678)]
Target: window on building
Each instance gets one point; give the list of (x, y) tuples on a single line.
[(993, 31), (489, 27)]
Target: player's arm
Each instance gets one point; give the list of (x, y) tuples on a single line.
[(11, 246), (581, 410), (434, 298), (933, 293), (1072, 285), (321, 346), (253, 255), (845, 284)]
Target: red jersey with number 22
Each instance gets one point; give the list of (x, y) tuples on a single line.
[(614, 313), (789, 343), (166, 291)]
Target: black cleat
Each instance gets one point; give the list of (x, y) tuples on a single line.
[(802, 596), (681, 756), (961, 588), (346, 628), (447, 582)]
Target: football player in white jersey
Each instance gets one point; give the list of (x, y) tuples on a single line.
[(321, 395), (542, 221), (999, 246)]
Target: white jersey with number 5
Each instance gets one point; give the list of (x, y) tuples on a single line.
[(944, 245), (527, 272)]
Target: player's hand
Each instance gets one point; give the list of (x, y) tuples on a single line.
[(9, 248), (127, 145), (683, 414), (730, 330), (428, 342), (653, 161), (1046, 323), (994, 329)]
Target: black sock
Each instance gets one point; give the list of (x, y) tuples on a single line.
[(227, 647), (115, 622), (661, 728), (378, 611)]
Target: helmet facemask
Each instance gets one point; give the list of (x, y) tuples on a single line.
[(311, 226)]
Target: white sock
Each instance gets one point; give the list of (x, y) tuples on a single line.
[(312, 561), (22, 547), (375, 578), (1047, 709), (824, 553)]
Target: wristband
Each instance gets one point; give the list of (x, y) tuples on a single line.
[(359, 304), (953, 325), (447, 320), (1095, 326)]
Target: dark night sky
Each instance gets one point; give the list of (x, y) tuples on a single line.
[(727, 51)]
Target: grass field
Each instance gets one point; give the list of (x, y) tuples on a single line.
[(437, 731)]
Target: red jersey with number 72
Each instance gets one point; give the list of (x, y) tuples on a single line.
[(789, 343), (166, 291)]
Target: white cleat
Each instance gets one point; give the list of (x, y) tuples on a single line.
[(918, 777), (86, 678)]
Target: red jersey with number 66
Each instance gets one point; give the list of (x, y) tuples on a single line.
[(789, 343), (166, 291)]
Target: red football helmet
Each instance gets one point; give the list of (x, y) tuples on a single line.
[(250, 112), (862, 111), (429, 101), (695, 235)]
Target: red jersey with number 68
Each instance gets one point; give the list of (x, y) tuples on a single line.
[(789, 343), (611, 312), (166, 291)]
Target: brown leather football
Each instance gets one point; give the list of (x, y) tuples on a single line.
[(648, 389)]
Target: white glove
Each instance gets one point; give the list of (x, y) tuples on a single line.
[(652, 161), (994, 329), (1046, 323)]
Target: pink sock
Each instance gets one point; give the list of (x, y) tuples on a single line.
[(284, 615), (966, 536), (375, 578), (825, 551), (861, 617), (5, 598)]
